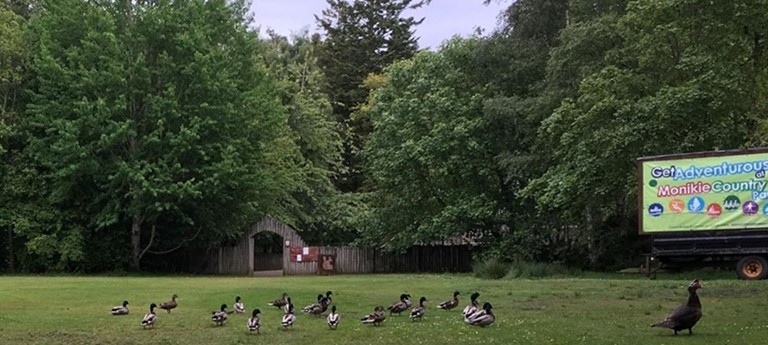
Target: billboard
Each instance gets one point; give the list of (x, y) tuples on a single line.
[(707, 191)]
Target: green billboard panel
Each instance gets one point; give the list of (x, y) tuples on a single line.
[(709, 191)]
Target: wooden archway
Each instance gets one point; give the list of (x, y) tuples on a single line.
[(269, 224)]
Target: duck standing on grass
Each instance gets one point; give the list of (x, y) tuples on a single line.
[(254, 322), (375, 318), (472, 307), (170, 304), (418, 312), (333, 318), (482, 318), (280, 302), (289, 318), (239, 306), (687, 315), (451, 303), (220, 316), (150, 318), (400, 306), (121, 310)]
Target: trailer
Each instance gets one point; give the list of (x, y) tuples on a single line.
[(706, 208)]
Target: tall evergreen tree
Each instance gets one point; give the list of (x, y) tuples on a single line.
[(361, 37)]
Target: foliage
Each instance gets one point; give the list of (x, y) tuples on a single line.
[(491, 268), (429, 153), (158, 135), (316, 133), (527, 270), (361, 37)]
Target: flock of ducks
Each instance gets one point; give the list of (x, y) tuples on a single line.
[(472, 313), (683, 317)]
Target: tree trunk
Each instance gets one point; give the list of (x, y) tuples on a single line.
[(136, 242), (11, 261)]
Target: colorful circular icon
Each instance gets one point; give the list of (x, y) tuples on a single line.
[(696, 204), (750, 208), (655, 209), (676, 206), (765, 209), (732, 203), (653, 183), (714, 210)]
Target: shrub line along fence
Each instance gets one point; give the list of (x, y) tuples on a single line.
[(298, 258)]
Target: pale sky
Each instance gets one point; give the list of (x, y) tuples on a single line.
[(444, 18)]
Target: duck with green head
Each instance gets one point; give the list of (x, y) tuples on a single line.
[(121, 309), (218, 317), (483, 318), (333, 318), (418, 312), (149, 318), (254, 322)]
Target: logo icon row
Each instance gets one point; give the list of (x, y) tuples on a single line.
[(697, 204)]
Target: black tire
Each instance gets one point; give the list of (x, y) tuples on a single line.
[(752, 268)]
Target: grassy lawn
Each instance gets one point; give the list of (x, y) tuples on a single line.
[(596, 309)]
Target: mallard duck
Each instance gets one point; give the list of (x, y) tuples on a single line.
[(315, 308), (418, 312), (170, 304), (218, 317), (451, 303), (280, 302), (289, 318), (239, 306), (472, 307), (333, 318), (375, 318), (327, 299), (482, 318), (254, 323), (150, 318), (400, 306), (120, 310), (687, 315)]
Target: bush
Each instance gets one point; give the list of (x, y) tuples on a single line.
[(491, 268), (522, 269)]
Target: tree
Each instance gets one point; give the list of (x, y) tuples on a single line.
[(361, 37), (318, 210), (429, 155), (685, 77), (157, 117)]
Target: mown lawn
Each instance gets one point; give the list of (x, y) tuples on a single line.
[(600, 309)]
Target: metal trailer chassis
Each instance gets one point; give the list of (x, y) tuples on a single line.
[(748, 249)]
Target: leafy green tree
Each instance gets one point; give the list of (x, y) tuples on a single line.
[(318, 211), (361, 37), (155, 119), (685, 77), (429, 154)]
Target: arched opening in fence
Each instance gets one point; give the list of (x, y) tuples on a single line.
[(267, 253)]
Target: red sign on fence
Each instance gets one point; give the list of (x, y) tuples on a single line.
[(305, 254)]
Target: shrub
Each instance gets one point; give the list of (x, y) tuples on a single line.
[(521, 269), (491, 268)]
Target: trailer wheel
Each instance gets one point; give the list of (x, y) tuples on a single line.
[(752, 268)]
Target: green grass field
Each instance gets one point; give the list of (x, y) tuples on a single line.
[(597, 309)]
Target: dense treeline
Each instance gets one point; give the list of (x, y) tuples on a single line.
[(131, 129)]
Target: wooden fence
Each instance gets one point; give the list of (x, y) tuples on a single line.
[(238, 259)]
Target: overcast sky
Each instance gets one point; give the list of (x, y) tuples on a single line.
[(444, 18)]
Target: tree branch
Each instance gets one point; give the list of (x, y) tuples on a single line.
[(177, 247), (151, 241)]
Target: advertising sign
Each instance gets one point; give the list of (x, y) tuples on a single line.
[(709, 191)]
